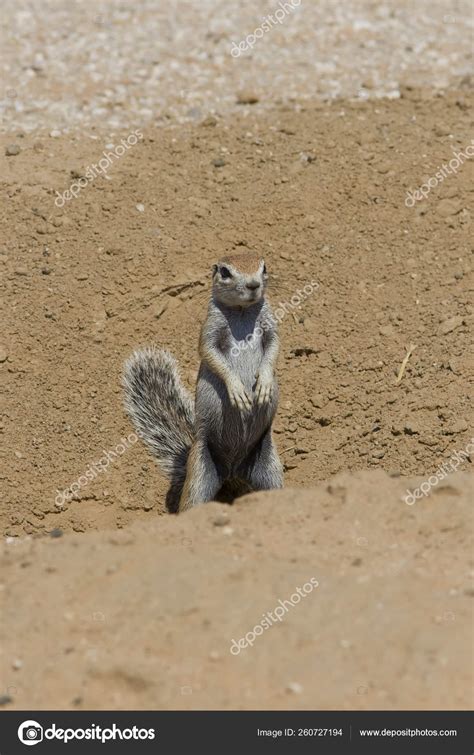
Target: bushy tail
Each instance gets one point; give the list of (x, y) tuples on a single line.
[(161, 409)]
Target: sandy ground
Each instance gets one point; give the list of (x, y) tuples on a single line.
[(111, 602), (146, 617)]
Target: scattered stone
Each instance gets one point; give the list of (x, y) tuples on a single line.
[(221, 520), (21, 270), (379, 454), (428, 440), (219, 162), (294, 688), (140, 207), (387, 330), (384, 167), (464, 363), (448, 207), (210, 120), (303, 351), (5, 699), (459, 426), (227, 531), (441, 129), (17, 664), (246, 97), (449, 325), (56, 532), (82, 277), (301, 450), (12, 149), (324, 421), (55, 133), (411, 429)]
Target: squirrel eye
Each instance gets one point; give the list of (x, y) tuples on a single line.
[(225, 273)]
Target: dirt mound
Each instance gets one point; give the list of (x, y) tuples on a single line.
[(349, 598), (321, 193)]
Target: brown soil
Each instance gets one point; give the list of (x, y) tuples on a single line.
[(145, 617), (320, 191)]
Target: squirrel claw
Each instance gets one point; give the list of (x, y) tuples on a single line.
[(264, 390), (239, 398)]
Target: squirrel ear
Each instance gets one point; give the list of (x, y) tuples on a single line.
[(214, 270)]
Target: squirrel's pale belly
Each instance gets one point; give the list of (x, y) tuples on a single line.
[(229, 432)]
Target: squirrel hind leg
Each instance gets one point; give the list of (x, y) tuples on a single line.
[(263, 469), (203, 481)]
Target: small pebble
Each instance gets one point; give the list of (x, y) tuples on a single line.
[(449, 325), (294, 688), (12, 149), (209, 121), (247, 97), (459, 426), (140, 207), (221, 520)]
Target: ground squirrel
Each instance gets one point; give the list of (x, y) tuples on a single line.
[(224, 437)]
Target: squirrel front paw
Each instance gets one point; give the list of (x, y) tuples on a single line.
[(238, 396), (264, 388)]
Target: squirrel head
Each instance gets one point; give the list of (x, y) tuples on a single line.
[(239, 280)]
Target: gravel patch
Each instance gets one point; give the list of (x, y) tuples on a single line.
[(79, 65)]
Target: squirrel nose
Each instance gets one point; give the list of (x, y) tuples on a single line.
[(253, 285)]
